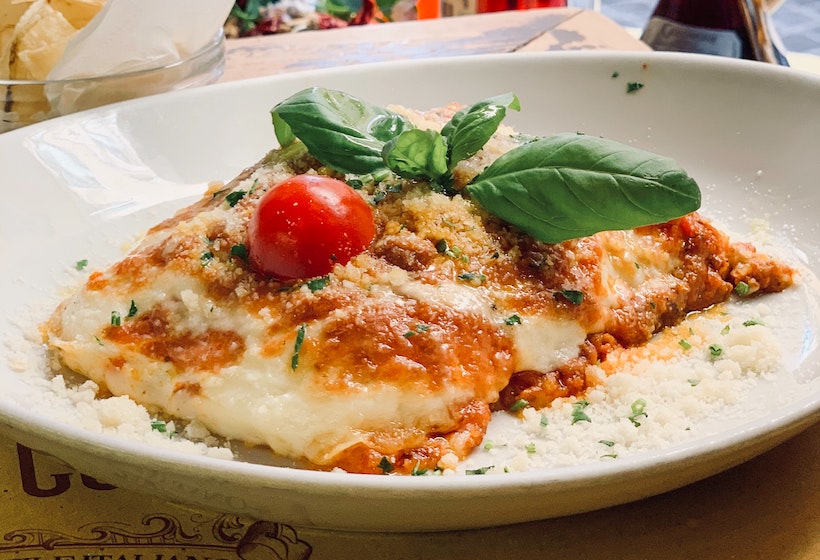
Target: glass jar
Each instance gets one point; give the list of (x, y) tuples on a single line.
[(24, 102)]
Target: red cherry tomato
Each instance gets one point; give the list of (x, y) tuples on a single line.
[(305, 225)]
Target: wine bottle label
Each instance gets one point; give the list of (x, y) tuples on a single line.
[(664, 34)]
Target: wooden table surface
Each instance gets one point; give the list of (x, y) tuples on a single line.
[(767, 508)]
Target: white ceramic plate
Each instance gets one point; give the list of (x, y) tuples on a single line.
[(85, 184)]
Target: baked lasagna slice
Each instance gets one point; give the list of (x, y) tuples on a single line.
[(393, 360)]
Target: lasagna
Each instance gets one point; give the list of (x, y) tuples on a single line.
[(398, 357)]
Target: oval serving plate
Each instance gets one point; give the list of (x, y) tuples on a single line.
[(87, 184)]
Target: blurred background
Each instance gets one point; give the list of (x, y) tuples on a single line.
[(796, 21)]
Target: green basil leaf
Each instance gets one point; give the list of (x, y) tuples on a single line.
[(417, 153), (470, 128), (340, 130), (571, 185), (284, 133)]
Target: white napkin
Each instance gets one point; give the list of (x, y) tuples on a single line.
[(135, 34)]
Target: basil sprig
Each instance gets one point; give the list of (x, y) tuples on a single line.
[(572, 185), (342, 131), (557, 188)]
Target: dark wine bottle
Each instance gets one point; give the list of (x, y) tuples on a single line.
[(734, 28)]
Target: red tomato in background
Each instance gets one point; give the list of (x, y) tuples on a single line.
[(305, 225)]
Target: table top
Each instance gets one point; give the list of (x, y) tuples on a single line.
[(767, 508)]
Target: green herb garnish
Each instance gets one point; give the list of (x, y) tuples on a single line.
[(132, 310), (472, 278), (417, 470), (632, 87), (418, 329), (81, 264), (573, 296), (715, 350), (512, 320), (752, 322), (297, 346), (482, 470), (638, 411), (742, 289), (550, 188), (116, 318), (233, 198), (386, 466), (240, 251), (685, 344), (578, 414), (518, 405), (316, 284)]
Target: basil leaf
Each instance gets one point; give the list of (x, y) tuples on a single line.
[(469, 129), (340, 130), (571, 185), (417, 153)]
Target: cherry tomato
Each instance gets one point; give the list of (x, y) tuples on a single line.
[(305, 225)]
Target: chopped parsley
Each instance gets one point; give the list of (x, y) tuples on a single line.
[(573, 296), (608, 443), (240, 251), (742, 289), (386, 466), (116, 318), (444, 248), (715, 350), (632, 87), (233, 198), (578, 414), (512, 320), (81, 264), (378, 196), (418, 470), (316, 284), (472, 277), (159, 426), (519, 405), (637, 411), (297, 346), (418, 329)]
